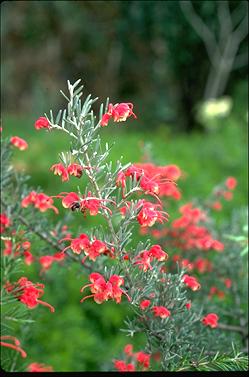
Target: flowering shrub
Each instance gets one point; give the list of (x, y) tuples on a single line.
[(156, 284)]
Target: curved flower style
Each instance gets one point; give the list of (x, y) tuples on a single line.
[(28, 293), (15, 346)]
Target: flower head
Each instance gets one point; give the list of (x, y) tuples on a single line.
[(42, 122), (160, 311), (119, 113), (191, 282), (210, 320), (19, 143)]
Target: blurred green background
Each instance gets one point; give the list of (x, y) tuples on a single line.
[(144, 52)]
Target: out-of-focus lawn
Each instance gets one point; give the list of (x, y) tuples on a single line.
[(77, 335)]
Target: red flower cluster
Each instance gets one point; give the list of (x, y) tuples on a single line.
[(144, 304), (72, 169), (140, 358), (153, 180), (221, 192), (210, 320), (42, 122), (186, 234), (119, 113), (39, 200), (5, 222), (145, 257), (149, 213), (102, 290), (19, 143), (15, 346), (161, 311), (191, 282), (161, 179), (92, 249), (92, 204), (231, 183), (36, 367), (28, 293)]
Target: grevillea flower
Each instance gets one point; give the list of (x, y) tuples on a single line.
[(28, 293), (121, 366), (149, 214), (210, 320), (36, 367), (5, 222), (8, 247), (119, 113), (227, 195), (157, 252), (40, 201), (42, 122), (28, 257), (76, 170), (160, 311), (231, 183), (79, 244), (46, 262), (102, 290), (217, 206), (143, 359), (191, 282), (144, 304), (19, 143), (59, 169), (15, 346), (143, 260), (188, 305), (85, 203), (128, 349), (228, 282)]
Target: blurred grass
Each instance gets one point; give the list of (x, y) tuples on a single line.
[(86, 337)]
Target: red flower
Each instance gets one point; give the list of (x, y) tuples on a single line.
[(148, 214), (102, 290), (191, 282), (144, 304), (228, 282), (188, 305), (121, 366), (157, 252), (75, 169), (160, 311), (210, 320), (46, 262), (28, 293), (5, 222), (217, 206), (28, 257), (143, 260), (42, 122), (231, 183), (143, 359), (60, 169), (227, 195), (15, 346), (128, 349), (119, 112), (19, 143), (39, 200), (36, 367)]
